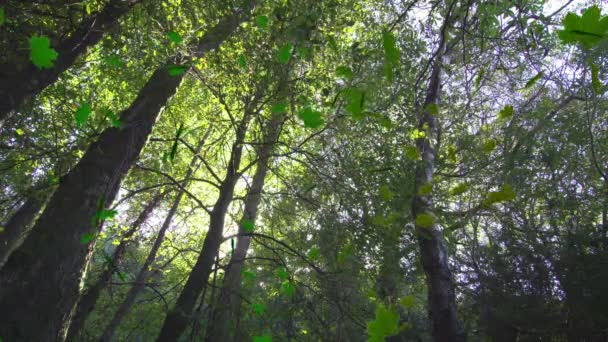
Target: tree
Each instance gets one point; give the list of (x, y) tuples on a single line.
[(90, 296), (371, 171), (433, 251), (178, 318), (48, 63), (228, 300), (56, 242)]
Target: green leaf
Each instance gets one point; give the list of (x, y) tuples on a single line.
[(279, 108), (86, 238), (587, 30), (385, 122), (391, 54), (52, 180), (459, 189), (174, 37), (355, 99), (386, 323), (264, 338), (344, 72), (333, 44), (261, 21), (284, 53), (258, 308), (177, 70), (313, 253), (505, 194), (385, 192), (82, 114), (106, 214), (595, 80), (287, 288), (242, 62), (282, 273), (345, 252), (479, 78), (41, 52), (114, 61), (533, 80), (2, 16), (506, 113), (489, 145), (248, 275), (407, 301), (432, 108), (425, 189), (114, 119), (412, 153), (19, 131), (424, 220), (304, 52), (248, 225), (311, 117)]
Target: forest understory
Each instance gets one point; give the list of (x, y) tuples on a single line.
[(304, 170)]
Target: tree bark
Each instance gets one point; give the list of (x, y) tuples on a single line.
[(15, 89), (19, 224), (179, 318), (39, 284), (143, 274), (89, 298), (433, 250), (226, 310)]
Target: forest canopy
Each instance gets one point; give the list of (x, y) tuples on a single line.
[(311, 170)]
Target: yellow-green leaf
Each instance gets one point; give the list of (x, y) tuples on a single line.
[(459, 189), (425, 189), (505, 194), (424, 220), (506, 113)]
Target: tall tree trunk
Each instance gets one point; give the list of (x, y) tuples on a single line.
[(89, 298), (18, 225), (225, 313), (178, 319), (39, 284), (433, 250), (142, 276), (15, 89)]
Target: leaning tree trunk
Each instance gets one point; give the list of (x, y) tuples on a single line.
[(89, 298), (178, 319), (226, 309), (433, 250), (140, 280), (15, 89), (19, 224), (39, 284)]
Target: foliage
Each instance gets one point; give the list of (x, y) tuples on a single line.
[(518, 168)]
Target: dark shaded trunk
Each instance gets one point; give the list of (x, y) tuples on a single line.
[(18, 225), (89, 298), (178, 319), (225, 313), (15, 89), (39, 284), (143, 274), (433, 250)]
